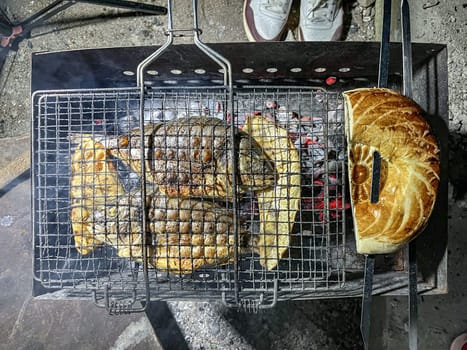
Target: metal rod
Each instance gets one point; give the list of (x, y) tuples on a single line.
[(365, 320), (375, 177), (41, 13), (144, 212), (52, 11), (219, 59), (227, 69), (382, 83), (407, 91), (228, 83), (129, 5), (215, 56), (61, 5), (413, 302), (140, 84), (406, 49), (384, 48), (142, 66)]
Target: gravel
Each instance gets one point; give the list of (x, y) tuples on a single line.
[(316, 324)]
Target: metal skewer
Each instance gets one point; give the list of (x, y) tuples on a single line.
[(407, 91), (413, 302), (365, 320), (406, 49)]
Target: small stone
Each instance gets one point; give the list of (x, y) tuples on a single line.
[(215, 328), (353, 28), (6, 221)]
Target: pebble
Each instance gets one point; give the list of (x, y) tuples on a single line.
[(6, 221), (215, 328)]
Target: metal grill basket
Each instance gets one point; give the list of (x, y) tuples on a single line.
[(121, 267)]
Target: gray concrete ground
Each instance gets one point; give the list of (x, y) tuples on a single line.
[(26, 323)]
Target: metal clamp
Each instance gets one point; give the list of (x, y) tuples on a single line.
[(249, 304), (119, 307), (181, 33)]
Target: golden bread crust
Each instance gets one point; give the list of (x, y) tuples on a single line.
[(384, 121)]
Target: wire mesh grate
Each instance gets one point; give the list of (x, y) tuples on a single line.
[(236, 202)]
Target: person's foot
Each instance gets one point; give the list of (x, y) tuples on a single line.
[(460, 343), (321, 20), (265, 20)]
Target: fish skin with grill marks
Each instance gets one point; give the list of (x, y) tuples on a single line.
[(192, 157), (189, 234)]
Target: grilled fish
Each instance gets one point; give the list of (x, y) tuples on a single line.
[(100, 207), (184, 234), (193, 157), (189, 234)]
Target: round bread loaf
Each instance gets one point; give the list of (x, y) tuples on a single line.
[(384, 121)]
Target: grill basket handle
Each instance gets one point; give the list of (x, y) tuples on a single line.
[(170, 32)]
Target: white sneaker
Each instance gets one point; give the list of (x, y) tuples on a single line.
[(265, 20), (321, 20)]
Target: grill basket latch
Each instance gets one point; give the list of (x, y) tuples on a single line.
[(120, 303), (252, 305)]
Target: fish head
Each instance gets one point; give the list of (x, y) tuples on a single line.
[(256, 170)]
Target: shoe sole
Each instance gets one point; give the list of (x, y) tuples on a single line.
[(249, 35), (336, 37), (299, 34)]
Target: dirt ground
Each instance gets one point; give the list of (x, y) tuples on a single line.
[(331, 324)]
